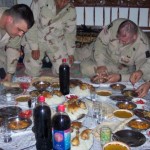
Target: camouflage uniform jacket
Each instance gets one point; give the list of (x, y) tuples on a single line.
[(107, 46), (52, 27), (9, 50)]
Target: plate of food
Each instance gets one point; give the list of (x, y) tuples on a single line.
[(126, 105), (130, 137), (117, 86), (12, 90), (123, 113), (75, 82), (41, 85), (10, 111), (116, 145), (144, 114), (140, 102), (130, 93), (138, 124), (81, 137), (119, 98)]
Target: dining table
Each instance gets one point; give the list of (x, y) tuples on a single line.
[(25, 140)]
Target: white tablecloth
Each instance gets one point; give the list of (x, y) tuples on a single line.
[(25, 140)]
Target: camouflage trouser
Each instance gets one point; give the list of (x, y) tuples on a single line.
[(33, 67)]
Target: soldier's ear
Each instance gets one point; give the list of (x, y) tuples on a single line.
[(9, 19), (135, 37)]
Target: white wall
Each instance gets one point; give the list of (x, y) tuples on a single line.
[(28, 2)]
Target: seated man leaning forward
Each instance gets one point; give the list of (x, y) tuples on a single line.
[(54, 33), (119, 50), (14, 22)]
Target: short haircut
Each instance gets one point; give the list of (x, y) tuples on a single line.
[(21, 11), (129, 26)]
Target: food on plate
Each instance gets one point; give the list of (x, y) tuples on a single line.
[(140, 102), (41, 85), (96, 80), (75, 82), (57, 92), (34, 93), (75, 141), (85, 134), (24, 85), (138, 124), (55, 85), (25, 114), (117, 86), (130, 93), (18, 123), (123, 113), (120, 98), (81, 144), (72, 97), (76, 125), (10, 84), (126, 105), (104, 93), (12, 90), (23, 98), (115, 145)]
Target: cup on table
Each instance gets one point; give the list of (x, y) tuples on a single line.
[(96, 109), (6, 132), (93, 94)]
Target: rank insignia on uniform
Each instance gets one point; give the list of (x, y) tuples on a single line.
[(147, 53)]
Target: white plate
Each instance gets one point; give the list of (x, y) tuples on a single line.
[(139, 106)]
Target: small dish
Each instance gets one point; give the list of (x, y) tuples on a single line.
[(117, 87), (123, 113), (103, 94), (138, 124), (113, 145), (41, 85), (25, 114), (22, 100), (130, 93), (140, 102), (126, 105)]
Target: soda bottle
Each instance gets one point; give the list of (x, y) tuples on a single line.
[(42, 125), (61, 131), (64, 77)]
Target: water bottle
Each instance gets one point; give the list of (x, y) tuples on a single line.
[(42, 125), (64, 77), (61, 131)]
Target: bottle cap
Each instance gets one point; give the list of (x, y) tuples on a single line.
[(61, 108), (64, 60), (41, 99)]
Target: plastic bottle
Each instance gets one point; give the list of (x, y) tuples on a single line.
[(42, 125), (61, 131), (64, 77)]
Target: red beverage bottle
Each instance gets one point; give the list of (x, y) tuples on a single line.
[(64, 77), (61, 131), (42, 125)]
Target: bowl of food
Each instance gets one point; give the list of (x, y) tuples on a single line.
[(41, 85), (117, 86), (126, 105), (96, 80), (18, 123), (140, 102), (123, 113), (24, 85), (130, 93), (116, 145), (23, 100), (103, 94), (138, 124)]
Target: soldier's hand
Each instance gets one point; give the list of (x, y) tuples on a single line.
[(8, 77), (71, 59), (35, 54), (136, 76), (113, 77), (143, 89)]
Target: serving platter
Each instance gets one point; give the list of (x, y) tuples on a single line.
[(10, 111), (130, 137), (120, 98), (14, 91), (144, 114)]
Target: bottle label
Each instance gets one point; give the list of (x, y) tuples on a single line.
[(61, 139)]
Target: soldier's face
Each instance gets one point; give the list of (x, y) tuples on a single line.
[(61, 3), (16, 28), (126, 38)]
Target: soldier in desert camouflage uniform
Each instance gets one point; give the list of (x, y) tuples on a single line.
[(54, 34), (116, 52), (14, 22)]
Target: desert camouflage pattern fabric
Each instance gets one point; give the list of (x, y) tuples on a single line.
[(107, 51), (53, 33), (9, 50)]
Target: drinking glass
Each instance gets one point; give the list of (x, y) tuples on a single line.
[(6, 132), (96, 109)]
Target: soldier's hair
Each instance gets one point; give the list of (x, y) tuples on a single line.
[(21, 11), (128, 26)]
